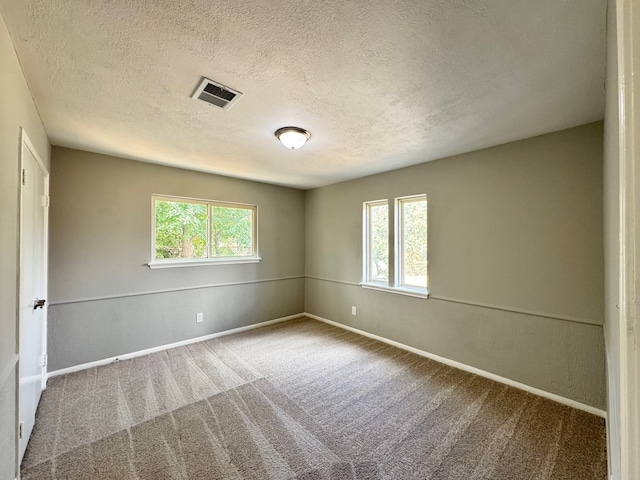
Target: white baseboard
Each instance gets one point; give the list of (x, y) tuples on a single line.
[(470, 369), (140, 353), (446, 361)]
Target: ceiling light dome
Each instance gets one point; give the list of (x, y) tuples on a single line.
[(292, 137)]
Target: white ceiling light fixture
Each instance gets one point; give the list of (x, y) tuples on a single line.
[(292, 137)]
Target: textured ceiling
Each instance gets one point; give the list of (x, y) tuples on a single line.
[(379, 85)]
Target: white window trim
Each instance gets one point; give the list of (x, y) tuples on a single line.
[(194, 262), (409, 292), (198, 262), (394, 258)]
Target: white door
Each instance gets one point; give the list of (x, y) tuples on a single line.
[(33, 244)]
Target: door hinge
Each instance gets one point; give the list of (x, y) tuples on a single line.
[(46, 200), (44, 360), (20, 430), (24, 176)]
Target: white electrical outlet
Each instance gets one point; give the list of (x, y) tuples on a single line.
[(199, 317), (353, 310)]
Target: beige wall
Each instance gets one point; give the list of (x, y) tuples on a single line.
[(517, 227), (16, 110), (105, 301)]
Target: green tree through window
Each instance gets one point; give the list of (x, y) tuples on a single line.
[(181, 230), (231, 232), (414, 243), (379, 242), (190, 229)]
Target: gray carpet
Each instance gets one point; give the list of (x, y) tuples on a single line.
[(302, 400)]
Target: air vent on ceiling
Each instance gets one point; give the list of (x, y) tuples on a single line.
[(216, 94)]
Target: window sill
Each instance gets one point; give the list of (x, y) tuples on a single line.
[(409, 292), (202, 262)]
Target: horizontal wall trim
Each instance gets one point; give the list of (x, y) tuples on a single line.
[(160, 348), (171, 290), (431, 296), (584, 321), (4, 375), (334, 281), (467, 368)]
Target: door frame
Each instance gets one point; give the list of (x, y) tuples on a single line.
[(628, 34), (27, 144)]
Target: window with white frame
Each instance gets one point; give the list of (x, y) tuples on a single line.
[(189, 231), (411, 242), (400, 264), (376, 242)]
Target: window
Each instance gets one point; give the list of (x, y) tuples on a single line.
[(191, 232), (377, 241), (399, 265), (411, 235)]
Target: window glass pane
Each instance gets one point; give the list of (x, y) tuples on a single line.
[(378, 243), (181, 230), (231, 231), (414, 243)]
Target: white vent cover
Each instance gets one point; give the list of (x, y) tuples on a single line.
[(216, 94)]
